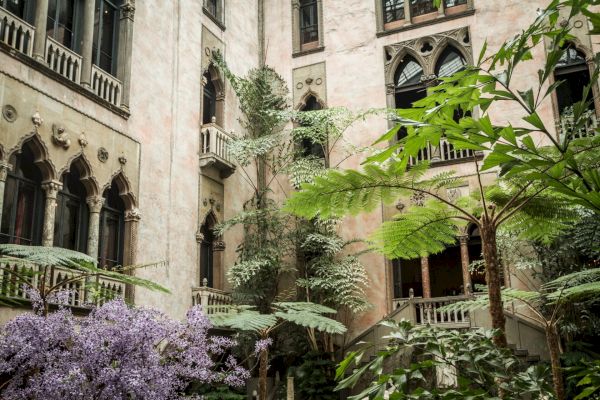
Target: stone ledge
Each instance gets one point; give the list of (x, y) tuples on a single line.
[(409, 27)]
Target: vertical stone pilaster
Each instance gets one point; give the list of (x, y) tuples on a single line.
[(51, 189), (125, 49), (132, 219), (295, 26), (407, 16), (320, 23), (464, 262), (379, 15), (95, 204), (4, 168), (426, 282), (39, 39), (441, 9), (87, 42)]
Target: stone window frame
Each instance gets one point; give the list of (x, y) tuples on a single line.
[(409, 22), (219, 84), (218, 19), (299, 49)]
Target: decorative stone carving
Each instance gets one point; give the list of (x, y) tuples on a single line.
[(309, 81), (51, 188), (102, 154), (95, 203), (60, 137), (83, 142), (199, 236), (133, 215), (4, 168), (218, 245), (418, 199), (37, 120), (128, 10), (122, 160), (9, 113), (400, 206)]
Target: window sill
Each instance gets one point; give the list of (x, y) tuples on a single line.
[(43, 68), (214, 19), (455, 14), (301, 53)]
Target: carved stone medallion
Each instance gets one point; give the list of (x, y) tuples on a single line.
[(102, 154), (9, 113)]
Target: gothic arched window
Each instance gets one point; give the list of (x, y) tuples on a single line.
[(450, 62), (310, 148), (72, 214), (573, 70), (207, 252), (23, 206), (112, 228), (209, 99), (409, 85)]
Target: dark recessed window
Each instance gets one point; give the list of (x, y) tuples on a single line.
[(112, 228), (409, 86), (23, 9), (61, 21), (309, 21), (214, 8), (450, 62), (207, 252), (23, 207), (453, 3), (71, 220), (421, 7), (310, 148), (573, 70), (393, 10), (106, 32), (209, 100)]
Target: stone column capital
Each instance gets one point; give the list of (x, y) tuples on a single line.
[(463, 239), (133, 215), (51, 188), (95, 203), (128, 10), (4, 168)]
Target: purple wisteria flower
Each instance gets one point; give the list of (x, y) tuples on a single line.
[(116, 352), (261, 345)]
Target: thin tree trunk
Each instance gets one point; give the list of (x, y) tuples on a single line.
[(492, 277), (554, 348), (262, 374)]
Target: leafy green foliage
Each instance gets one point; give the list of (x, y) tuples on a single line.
[(314, 378), (587, 379), (479, 369)]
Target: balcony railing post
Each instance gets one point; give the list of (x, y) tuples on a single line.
[(39, 40), (213, 141), (87, 41)]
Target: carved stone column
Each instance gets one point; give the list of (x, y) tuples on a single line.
[(426, 282), (124, 51), (95, 204), (4, 168), (132, 219), (39, 39), (51, 189), (87, 42), (464, 262)]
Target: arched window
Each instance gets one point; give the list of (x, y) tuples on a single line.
[(450, 62), (572, 69), (207, 252), (23, 207), (112, 228), (72, 214), (408, 85), (209, 99), (310, 148)]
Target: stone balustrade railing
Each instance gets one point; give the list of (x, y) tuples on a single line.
[(62, 60), (567, 125), (211, 299), (214, 139), (16, 33), (430, 312), (79, 294), (445, 152), (106, 86)]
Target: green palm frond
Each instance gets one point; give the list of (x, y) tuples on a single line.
[(243, 320), (312, 320), (304, 306), (46, 256), (573, 279)]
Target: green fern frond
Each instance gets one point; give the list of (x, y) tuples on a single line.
[(47, 256), (312, 320), (243, 320), (301, 306)]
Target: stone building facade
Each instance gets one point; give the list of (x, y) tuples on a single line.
[(115, 124)]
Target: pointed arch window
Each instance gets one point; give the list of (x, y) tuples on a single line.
[(409, 86), (23, 206), (310, 148), (450, 62), (209, 99), (112, 228), (573, 70), (72, 214), (207, 259)]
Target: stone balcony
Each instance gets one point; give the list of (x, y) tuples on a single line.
[(445, 153), (214, 149), (210, 299)]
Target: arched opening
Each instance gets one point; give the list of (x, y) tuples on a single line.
[(112, 229), (573, 71), (23, 206), (409, 86), (406, 275), (309, 147), (209, 99), (72, 213), (449, 62), (207, 252)]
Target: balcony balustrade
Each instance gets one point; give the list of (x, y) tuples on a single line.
[(444, 153), (106, 86), (16, 33), (214, 149), (80, 294), (567, 125), (210, 299), (62, 60)]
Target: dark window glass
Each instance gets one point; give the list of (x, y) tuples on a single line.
[(16, 7), (70, 224), (106, 23), (213, 8), (309, 21), (393, 10), (207, 254), (209, 100), (409, 86), (450, 62), (22, 210), (420, 7), (406, 276), (452, 3), (309, 148), (60, 21), (572, 69), (112, 227)]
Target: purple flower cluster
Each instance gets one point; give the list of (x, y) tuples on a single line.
[(116, 352), (261, 345)]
